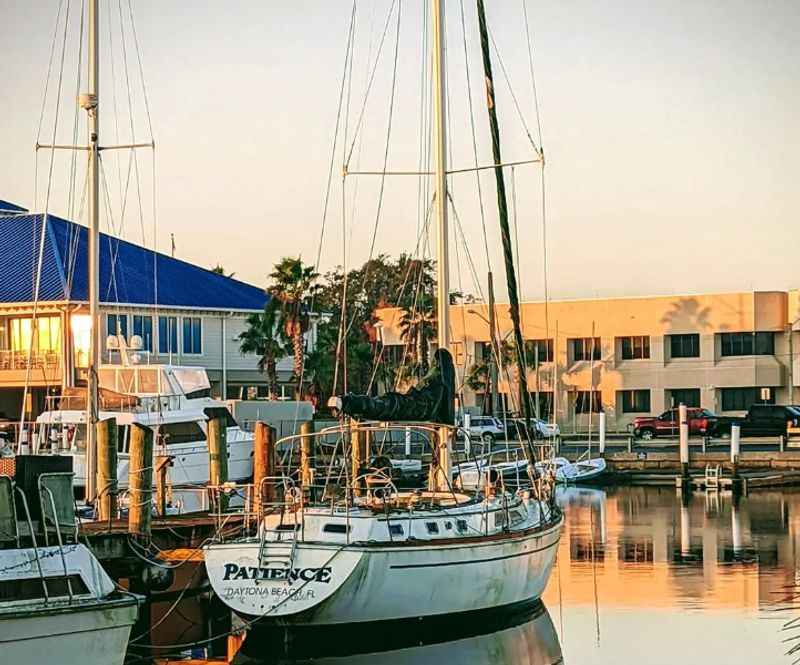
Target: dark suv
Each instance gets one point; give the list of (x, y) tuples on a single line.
[(764, 420)]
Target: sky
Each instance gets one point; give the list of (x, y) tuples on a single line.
[(670, 132)]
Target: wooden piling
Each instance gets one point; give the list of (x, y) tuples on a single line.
[(263, 464), (163, 462), (140, 480), (107, 486), (307, 453), (218, 457), (358, 445)]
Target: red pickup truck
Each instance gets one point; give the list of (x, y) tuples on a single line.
[(701, 421)]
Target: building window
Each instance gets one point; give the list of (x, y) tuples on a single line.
[(168, 334), (748, 344), (688, 396), (117, 324), (143, 326), (635, 401), (741, 399), (586, 399), (684, 346), (538, 351), (585, 348), (635, 348), (47, 338), (192, 335)]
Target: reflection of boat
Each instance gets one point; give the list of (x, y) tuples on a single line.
[(523, 637), (57, 604), (570, 495)]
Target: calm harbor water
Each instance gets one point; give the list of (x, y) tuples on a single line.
[(642, 578)]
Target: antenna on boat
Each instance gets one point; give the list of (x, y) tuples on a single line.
[(442, 478)]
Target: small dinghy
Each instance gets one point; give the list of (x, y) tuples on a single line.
[(580, 471)]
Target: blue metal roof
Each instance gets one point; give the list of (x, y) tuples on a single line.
[(136, 270), (6, 207)]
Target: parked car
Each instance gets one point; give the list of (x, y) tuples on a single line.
[(701, 421), (487, 428), (763, 420)]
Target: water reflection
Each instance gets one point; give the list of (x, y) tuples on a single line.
[(524, 637), (647, 576)]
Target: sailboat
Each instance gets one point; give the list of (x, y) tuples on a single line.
[(173, 401), (338, 544)]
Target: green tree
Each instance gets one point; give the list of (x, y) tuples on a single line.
[(220, 270), (264, 337), (293, 286)]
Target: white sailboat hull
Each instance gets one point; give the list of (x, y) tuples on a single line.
[(364, 583), (94, 634)]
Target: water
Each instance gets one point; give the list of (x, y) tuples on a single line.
[(641, 579)]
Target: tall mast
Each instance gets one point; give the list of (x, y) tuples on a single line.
[(91, 105), (505, 233), (440, 139), (442, 479)]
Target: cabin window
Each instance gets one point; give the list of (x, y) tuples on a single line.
[(143, 326), (432, 527), (192, 335), (396, 529), (461, 526), (186, 432), (500, 518), (516, 517), (336, 528), (30, 588), (167, 334), (117, 324)]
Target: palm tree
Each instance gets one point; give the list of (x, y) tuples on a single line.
[(418, 329), (219, 269), (293, 285), (263, 336)]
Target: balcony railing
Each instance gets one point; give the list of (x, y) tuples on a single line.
[(43, 360)]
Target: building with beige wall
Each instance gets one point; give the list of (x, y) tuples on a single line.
[(636, 356)]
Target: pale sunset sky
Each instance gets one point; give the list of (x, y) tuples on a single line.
[(670, 130)]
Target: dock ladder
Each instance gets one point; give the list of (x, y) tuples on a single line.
[(713, 477)]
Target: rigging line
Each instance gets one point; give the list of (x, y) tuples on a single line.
[(379, 209), (371, 79), (335, 138), (388, 137), (37, 266), (114, 97), (349, 91), (133, 155), (75, 229), (422, 115), (511, 91), (474, 139), (533, 78), (145, 96)]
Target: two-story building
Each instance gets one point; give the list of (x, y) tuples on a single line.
[(636, 356), (183, 313)]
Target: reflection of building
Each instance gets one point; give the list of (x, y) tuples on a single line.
[(719, 351), (182, 313), (654, 550)]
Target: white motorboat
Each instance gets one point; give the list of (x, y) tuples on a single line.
[(174, 401), (579, 471), (57, 604)]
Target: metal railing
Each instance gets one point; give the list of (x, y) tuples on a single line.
[(13, 360)]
